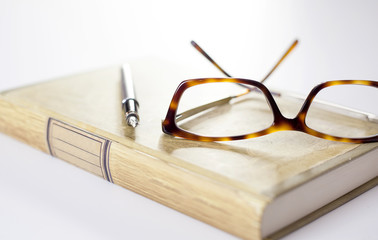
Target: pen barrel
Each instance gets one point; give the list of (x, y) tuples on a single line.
[(128, 91)]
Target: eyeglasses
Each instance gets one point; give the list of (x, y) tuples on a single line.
[(199, 111)]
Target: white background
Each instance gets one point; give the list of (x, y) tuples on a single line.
[(45, 198)]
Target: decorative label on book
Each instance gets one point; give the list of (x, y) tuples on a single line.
[(80, 148)]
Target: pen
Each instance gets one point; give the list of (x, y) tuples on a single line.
[(129, 103)]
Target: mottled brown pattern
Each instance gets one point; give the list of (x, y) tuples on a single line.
[(280, 122)]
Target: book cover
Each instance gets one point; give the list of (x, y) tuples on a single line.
[(230, 185)]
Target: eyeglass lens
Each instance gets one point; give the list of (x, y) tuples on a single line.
[(242, 115), (330, 111)]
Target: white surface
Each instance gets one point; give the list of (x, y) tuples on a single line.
[(43, 39)]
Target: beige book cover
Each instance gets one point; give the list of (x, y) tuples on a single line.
[(230, 185)]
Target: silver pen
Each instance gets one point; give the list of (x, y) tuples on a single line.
[(129, 103)]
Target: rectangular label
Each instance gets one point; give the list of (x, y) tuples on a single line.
[(79, 147)]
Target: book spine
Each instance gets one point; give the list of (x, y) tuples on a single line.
[(23, 124), (224, 207)]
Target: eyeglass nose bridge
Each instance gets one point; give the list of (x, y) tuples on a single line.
[(282, 123)]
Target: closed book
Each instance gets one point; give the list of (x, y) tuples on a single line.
[(258, 188)]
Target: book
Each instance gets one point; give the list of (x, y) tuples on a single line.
[(258, 188)]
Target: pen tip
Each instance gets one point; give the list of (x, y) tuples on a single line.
[(132, 121)]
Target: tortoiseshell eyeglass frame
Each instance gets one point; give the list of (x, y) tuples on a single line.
[(280, 122)]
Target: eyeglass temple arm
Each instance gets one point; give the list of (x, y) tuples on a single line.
[(293, 45), (201, 108), (193, 111), (199, 49)]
